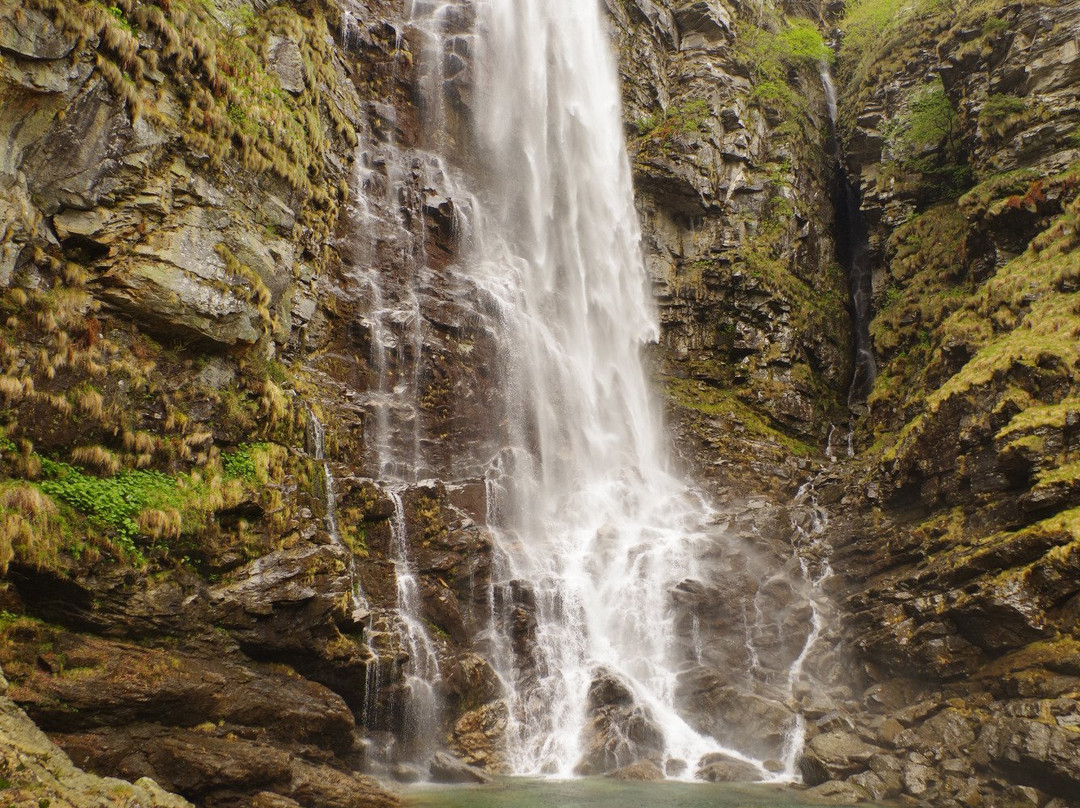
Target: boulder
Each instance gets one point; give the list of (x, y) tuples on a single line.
[(618, 731), (478, 734), (835, 756), (39, 773), (1033, 753), (720, 768), (447, 769), (642, 771), (838, 793)]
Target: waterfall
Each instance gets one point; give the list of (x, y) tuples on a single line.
[(595, 534), (594, 529), (422, 672), (853, 251)]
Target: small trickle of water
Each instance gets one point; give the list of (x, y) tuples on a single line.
[(422, 673), (853, 250), (809, 522), (317, 441)]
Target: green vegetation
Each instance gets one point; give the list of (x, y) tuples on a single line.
[(114, 503), (247, 463), (999, 112), (772, 55), (121, 19), (231, 107), (927, 148), (1014, 340), (677, 120), (727, 404)]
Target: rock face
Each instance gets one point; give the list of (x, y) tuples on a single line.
[(196, 588), (229, 312), (35, 769), (957, 537), (736, 210)]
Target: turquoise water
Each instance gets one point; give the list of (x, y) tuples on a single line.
[(602, 793)]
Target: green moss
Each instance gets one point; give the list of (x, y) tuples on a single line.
[(998, 109), (1045, 416), (715, 402), (774, 49), (675, 121)]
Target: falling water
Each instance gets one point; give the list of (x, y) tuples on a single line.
[(589, 520), (422, 671), (317, 444), (809, 521), (852, 247), (594, 532)]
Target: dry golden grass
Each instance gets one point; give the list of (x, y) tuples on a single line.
[(96, 457), (25, 514), (159, 524)]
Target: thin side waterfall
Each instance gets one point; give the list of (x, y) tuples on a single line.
[(809, 521), (316, 436), (422, 672), (852, 247)]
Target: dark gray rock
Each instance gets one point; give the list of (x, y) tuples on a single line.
[(835, 756)]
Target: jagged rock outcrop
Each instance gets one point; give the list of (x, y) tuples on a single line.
[(35, 770), (727, 127), (956, 540)]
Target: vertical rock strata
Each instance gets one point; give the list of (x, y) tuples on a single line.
[(727, 127)]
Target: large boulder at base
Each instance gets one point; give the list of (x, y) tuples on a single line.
[(642, 771), (721, 768), (835, 756), (618, 732), (447, 769)]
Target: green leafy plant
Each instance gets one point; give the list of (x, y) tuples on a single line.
[(998, 111), (242, 464)]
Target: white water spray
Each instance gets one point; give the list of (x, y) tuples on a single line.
[(586, 512)]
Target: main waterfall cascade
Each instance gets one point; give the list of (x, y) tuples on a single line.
[(598, 540)]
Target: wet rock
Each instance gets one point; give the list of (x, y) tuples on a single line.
[(446, 769), (642, 771), (873, 785), (750, 722), (119, 683), (478, 735), (839, 793), (404, 773), (1032, 753), (918, 779), (720, 768), (618, 731), (835, 756)]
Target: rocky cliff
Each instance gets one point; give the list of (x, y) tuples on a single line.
[(228, 234), (183, 595), (958, 535)]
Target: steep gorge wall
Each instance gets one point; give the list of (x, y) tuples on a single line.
[(184, 302), (728, 133), (958, 548)]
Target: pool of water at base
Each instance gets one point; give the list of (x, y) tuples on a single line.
[(515, 792)]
